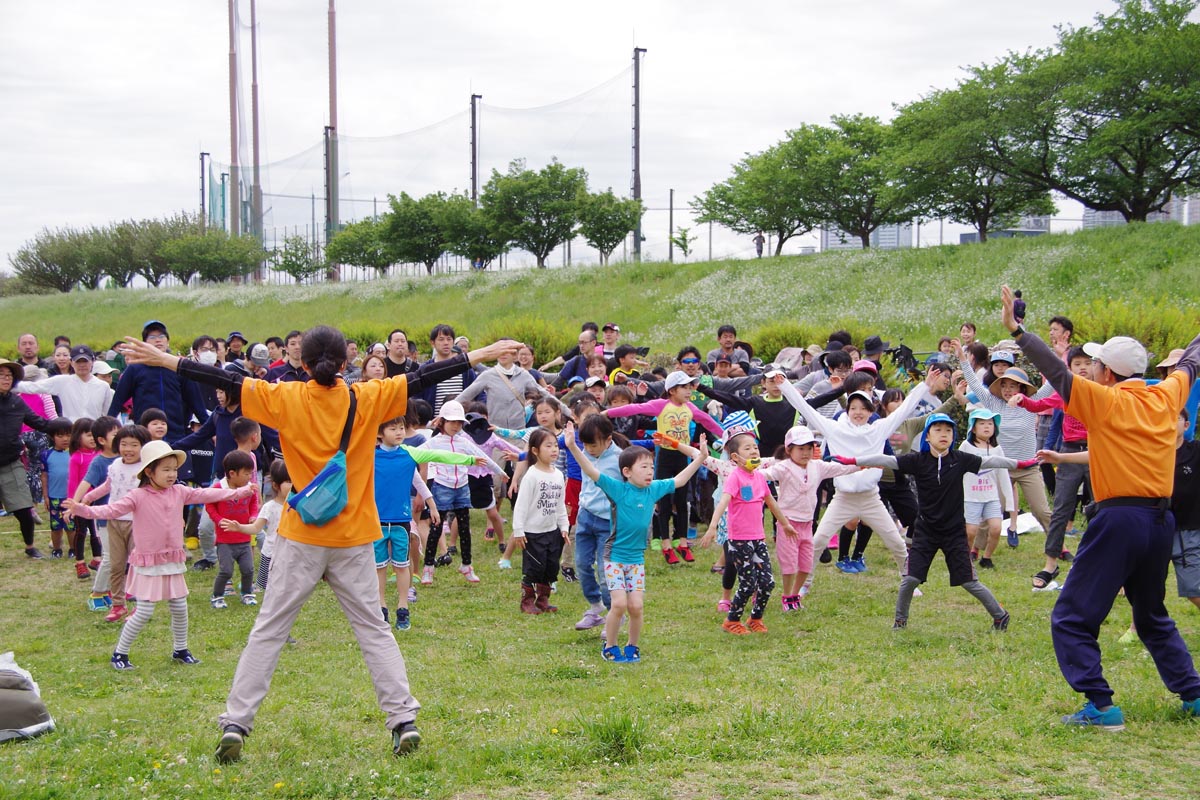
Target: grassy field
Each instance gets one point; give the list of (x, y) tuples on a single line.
[(830, 703), (915, 295)]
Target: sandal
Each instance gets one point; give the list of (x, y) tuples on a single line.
[(1043, 578)]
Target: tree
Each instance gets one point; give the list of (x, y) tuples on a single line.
[(468, 232), (763, 194), (214, 256), (360, 244), (298, 258), (536, 211), (411, 232), (1108, 116), (941, 159), (605, 220), (110, 251), (847, 175), (684, 239), (152, 236), (54, 260)]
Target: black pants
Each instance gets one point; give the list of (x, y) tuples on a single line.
[(227, 554), (463, 515), (673, 508), (898, 495), (85, 528), (539, 559)]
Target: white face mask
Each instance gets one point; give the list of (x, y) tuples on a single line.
[(207, 357)]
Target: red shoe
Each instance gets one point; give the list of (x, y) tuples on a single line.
[(670, 556), (94, 563), (117, 614), (685, 553), (81, 571), (757, 626)]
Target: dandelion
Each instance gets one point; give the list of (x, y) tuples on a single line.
[(216, 771), (554, 730), (279, 785), (157, 765)]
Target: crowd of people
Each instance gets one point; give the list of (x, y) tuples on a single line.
[(146, 460)]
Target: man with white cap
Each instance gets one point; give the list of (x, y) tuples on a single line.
[(1131, 443)]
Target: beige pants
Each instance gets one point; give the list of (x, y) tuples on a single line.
[(116, 550), (865, 506), (1034, 490), (296, 569)]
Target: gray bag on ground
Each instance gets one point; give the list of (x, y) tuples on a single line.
[(23, 715)]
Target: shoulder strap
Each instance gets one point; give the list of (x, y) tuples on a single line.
[(520, 397), (349, 423)]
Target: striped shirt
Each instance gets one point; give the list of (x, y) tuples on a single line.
[(1018, 427)]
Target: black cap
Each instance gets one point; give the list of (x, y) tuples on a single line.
[(874, 345), (82, 351)]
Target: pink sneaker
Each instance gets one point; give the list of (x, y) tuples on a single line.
[(427, 576), (723, 606), (469, 574)]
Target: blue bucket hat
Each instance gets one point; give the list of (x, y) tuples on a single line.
[(983, 413), (931, 420)]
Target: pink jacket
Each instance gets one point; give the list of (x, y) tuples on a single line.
[(798, 485)]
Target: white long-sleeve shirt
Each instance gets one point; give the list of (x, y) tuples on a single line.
[(844, 438), (80, 399), (541, 504)]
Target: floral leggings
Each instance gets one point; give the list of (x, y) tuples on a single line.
[(753, 565)]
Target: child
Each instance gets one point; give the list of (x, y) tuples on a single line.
[(154, 420), (984, 490), (593, 525), (675, 414), (632, 500), (450, 491), (103, 431), (546, 416), (120, 480), (56, 467), (266, 526), (159, 557), (744, 494), (540, 523), (246, 436), (231, 517), (479, 478), (395, 471), (83, 450), (798, 478), (939, 472)]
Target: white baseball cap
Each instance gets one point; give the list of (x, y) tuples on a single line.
[(1121, 354), (453, 410), (798, 435), (679, 378)]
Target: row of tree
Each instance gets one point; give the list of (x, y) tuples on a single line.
[(1109, 116)]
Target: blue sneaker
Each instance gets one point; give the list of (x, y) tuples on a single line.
[(1090, 716), (845, 566), (859, 564), (403, 622), (632, 653), (1013, 539), (613, 654), (1192, 707)]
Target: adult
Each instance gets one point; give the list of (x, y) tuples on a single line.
[(81, 394), (441, 337), (274, 350), (234, 343), (1018, 307), (586, 347), (576, 360), (60, 362), (1131, 441), (611, 333), (759, 241), (353, 371), (967, 334), (726, 339), (342, 551), (153, 387), (14, 491), (292, 368), (1061, 331), (398, 361), (506, 385), (27, 350), (204, 350)]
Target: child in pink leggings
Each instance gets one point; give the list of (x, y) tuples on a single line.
[(798, 477)]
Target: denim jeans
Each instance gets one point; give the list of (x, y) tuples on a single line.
[(591, 535)]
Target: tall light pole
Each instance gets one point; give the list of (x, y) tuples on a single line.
[(235, 223), (637, 145), (203, 204), (475, 98)]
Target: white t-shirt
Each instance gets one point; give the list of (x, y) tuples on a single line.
[(271, 511), (79, 398)]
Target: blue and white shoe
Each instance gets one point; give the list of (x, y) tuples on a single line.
[(859, 564), (1111, 719), (613, 654), (1192, 707), (632, 654), (845, 565)]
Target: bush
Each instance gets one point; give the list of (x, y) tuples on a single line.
[(1160, 324), (548, 338)]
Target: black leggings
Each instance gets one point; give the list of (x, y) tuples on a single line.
[(463, 515), (860, 547), (83, 529), (673, 508), (25, 517)]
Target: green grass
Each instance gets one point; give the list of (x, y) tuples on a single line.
[(916, 295), (830, 703)]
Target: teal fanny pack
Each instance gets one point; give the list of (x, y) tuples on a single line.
[(326, 495)]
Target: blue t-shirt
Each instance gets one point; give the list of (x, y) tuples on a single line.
[(57, 465), (632, 510), (97, 473)]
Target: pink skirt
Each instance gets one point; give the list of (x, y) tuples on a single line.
[(153, 588)]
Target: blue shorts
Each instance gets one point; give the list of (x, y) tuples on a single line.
[(447, 499), (978, 512), (393, 547)]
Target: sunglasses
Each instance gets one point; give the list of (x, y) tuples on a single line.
[(689, 361)]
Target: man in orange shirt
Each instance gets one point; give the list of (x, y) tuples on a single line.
[(1131, 442)]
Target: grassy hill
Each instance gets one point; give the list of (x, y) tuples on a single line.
[(916, 295)]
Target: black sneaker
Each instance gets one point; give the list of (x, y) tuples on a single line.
[(451, 550), (202, 565), (33, 552), (503, 546), (900, 623), (443, 560), (405, 738), (121, 661), (569, 575), (384, 611), (1066, 556), (986, 563), (826, 556), (229, 749), (56, 552), (184, 656), (1001, 624)]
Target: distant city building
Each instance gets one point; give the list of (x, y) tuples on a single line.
[(1193, 211), (888, 237), (1028, 225), (1107, 219)]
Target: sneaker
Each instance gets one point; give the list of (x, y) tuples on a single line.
[(974, 554), (859, 564), (845, 566), (451, 551), (918, 593), (502, 547), (249, 600), (1129, 637), (1000, 625), (218, 602), (427, 576), (81, 571), (589, 620), (33, 552), (202, 564), (632, 654), (826, 556), (757, 626), (383, 611), (671, 556), (71, 553), (55, 552), (1066, 556), (723, 606), (569, 575), (94, 564), (1191, 708), (900, 623), (443, 560), (412, 594), (403, 622), (229, 590), (804, 590), (613, 654), (685, 553), (96, 603), (405, 738), (986, 563), (1013, 539), (735, 627), (229, 749), (121, 661), (117, 614), (1111, 719), (184, 656), (503, 563), (468, 572), (785, 603)]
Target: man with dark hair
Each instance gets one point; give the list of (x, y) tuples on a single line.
[(292, 368), (442, 339), (1061, 331), (726, 343), (157, 387), (275, 350), (396, 360)]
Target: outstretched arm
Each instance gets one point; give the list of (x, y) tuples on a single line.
[(585, 463)]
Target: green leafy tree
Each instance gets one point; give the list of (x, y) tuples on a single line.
[(536, 211), (110, 252), (1109, 116), (684, 239), (55, 260), (468, 232), (360, 244), (150, 261), (299, 258), (605, 220), (411, 232), (765, 193), (213, 256)]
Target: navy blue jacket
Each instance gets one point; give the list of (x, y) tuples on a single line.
[(158, 387), (429, 393)]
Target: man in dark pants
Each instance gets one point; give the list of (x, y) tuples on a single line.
[(1131, 441)]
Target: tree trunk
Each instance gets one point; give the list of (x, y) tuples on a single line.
[(541, 261), (781, 238), (429, 265), (866, 240)]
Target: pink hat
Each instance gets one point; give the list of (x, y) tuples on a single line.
[(865, 366)]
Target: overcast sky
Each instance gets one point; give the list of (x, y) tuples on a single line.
[(107, 105)]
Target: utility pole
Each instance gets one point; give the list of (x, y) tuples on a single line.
[(637, 145), (235, 225), (331, 145), (256, 208), (671, 228), (203, 204), (475, 98)]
